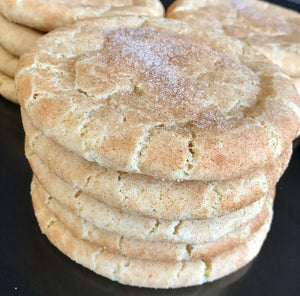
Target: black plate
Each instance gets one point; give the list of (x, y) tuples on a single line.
[(30, 265)]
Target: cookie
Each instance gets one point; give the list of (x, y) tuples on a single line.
[(152, 250), (7, 88), (147, 196), (136, 226), (16, 39), (145, 273), (271, 29), (8, 63), (172, 102), (48, 15)]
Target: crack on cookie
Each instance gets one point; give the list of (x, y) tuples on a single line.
[(116, 272), (119, 267), (153, 228), (95, 259), (142, 146), (211, 196), (120, 243), (119, 175), (127, 262), (181, 268), (77, 194), (177, 227), (219, 197), (79, 208), (208, 268), (82, 92), (35, 96), (161, 196), (190, 161), (51, 222), (48, 200), (123, 119), (87, 181), (189, 249), (124, 196), (86, 231), (137, 89)]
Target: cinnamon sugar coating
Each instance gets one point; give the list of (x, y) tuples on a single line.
[(158, 97)]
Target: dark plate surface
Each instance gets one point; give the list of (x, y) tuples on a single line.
[(30, 265)]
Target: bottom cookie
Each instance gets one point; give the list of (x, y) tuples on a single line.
[(145, 273), (7, 88)]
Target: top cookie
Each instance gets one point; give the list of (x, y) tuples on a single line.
[(46, 15), (273, 30), (158, 97)]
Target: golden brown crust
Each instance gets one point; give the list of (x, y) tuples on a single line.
[(48, 15), (147, 196), (16, 39), (143, 272), (272, 30), (193, 102), (7, 88)]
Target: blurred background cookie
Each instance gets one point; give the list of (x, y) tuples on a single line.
[(22, 23), (270, 29)]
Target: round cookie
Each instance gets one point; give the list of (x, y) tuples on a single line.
[(8, 63), (145, 273), (173, 102), (141, 227), (147, 196), (7, 88), (271, 29), (152, 250), (16, 39), (48, 15)]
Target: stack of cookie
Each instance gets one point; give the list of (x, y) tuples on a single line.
[(155, 147), (272, 30), (23, 22)]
